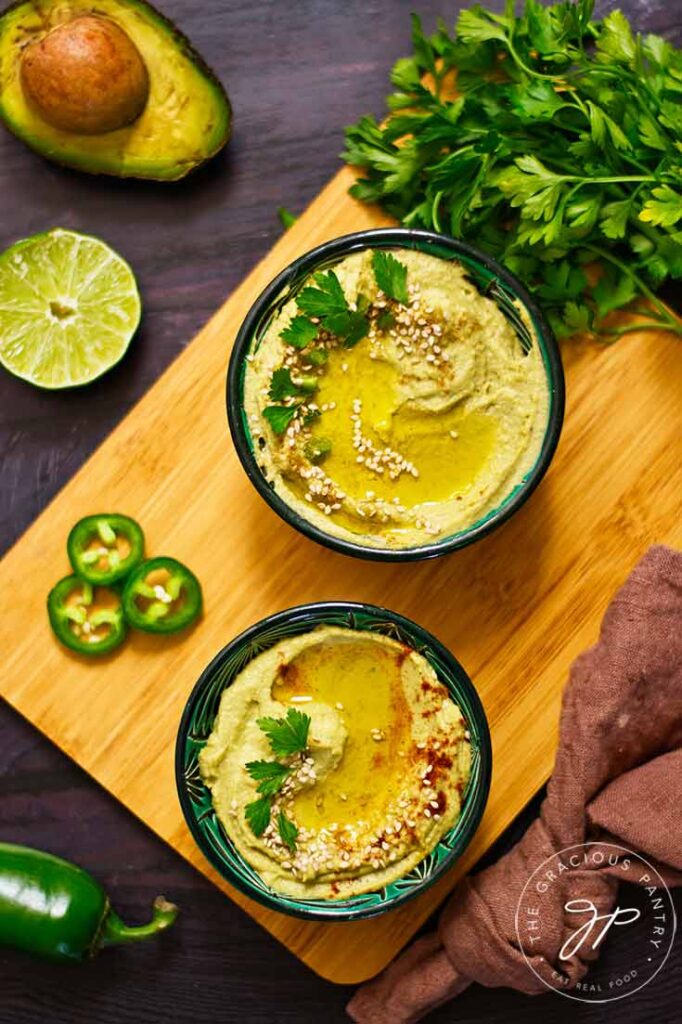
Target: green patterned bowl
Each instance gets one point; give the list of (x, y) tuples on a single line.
[(493, 281), (197, 723)]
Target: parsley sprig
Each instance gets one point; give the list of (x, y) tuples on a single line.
[(279, 416), (287, 736), (269, 775), (562, 147), (326, 300), (283, 386), (300, 332)]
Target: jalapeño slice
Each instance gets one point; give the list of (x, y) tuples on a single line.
[(103, 549), (86, 619), (161, 596)]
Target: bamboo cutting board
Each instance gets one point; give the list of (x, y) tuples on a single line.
[(515, 608)]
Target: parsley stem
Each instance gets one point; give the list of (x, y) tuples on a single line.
[(524, 67), (671, 320), (612, 181), (435, 210), (638, 325)]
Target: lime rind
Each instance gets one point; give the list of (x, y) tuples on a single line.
[(69, 307)]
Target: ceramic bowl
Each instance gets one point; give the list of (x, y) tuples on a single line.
[(493, 281), (197, 723)]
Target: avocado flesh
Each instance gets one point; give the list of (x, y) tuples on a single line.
[(185, 122)]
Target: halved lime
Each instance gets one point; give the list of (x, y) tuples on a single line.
[(69, 306)]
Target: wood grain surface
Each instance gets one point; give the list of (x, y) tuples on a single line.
[(516, 608), (625, 517)]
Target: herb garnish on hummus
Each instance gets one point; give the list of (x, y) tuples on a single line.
[(287, 736), (368, 778), (392, 403)]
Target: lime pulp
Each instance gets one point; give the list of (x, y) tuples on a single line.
[(69, 306)]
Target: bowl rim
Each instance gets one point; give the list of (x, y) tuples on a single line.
[(478, 797), (386, 238)]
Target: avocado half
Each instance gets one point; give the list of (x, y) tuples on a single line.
[(187, 116)]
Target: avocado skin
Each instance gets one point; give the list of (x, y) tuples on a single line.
[(101, 156)]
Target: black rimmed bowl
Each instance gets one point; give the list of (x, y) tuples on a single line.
[(200, 713), (493, 281)]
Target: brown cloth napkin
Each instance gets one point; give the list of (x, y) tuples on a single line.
[(617, 777)]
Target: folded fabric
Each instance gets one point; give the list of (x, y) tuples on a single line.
[(617, 778)]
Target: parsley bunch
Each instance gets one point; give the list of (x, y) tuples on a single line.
[(559, 146)]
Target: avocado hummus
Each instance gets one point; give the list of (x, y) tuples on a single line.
[(379, 780), (391, 404), (110, 87)]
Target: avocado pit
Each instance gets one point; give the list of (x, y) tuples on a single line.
[(86, 76)]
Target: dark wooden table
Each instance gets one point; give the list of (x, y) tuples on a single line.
[(297, 72)]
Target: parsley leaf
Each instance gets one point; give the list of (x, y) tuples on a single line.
[(279, 416), (390, 275), (286, 217), (664, 208), (610, 294), (352, 329), (282, 386), (477, 26), (577, 317), (289, 735), (562, 281), (269, 775), (604, 129), (615, 39), (287, 830), (300, 332), (326, 300), (615, 218), (257, 814)]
